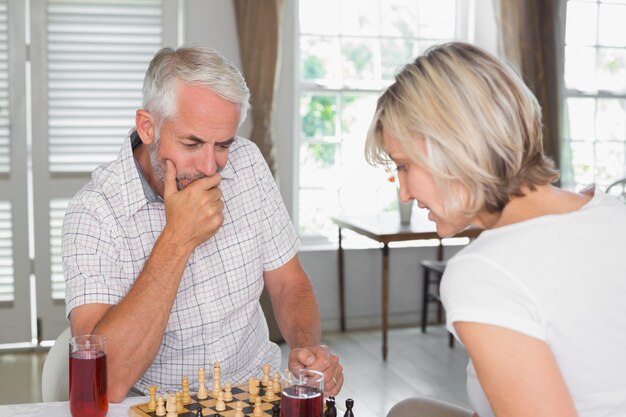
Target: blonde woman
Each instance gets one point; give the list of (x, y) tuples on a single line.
[(539, 299)]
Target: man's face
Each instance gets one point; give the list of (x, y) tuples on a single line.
[(197, 139)]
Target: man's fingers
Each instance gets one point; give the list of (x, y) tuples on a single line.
[(207, 183), (304, 357), (169, 185), (333, 390)]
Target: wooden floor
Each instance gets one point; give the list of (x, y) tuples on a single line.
[(417, 365)]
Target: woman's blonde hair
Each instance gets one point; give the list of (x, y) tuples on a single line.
[(481, 125)]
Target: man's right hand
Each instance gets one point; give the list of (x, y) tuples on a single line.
[(194, 214)]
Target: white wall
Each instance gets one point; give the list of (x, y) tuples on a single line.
[(212, 23)]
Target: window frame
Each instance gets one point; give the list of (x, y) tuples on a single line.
[(568, 168)]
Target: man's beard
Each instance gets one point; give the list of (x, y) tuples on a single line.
[(159, 166)]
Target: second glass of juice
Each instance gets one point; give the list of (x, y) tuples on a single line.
[(302, 393)]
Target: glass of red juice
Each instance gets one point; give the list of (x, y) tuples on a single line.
[(88, 376), (302, 393)]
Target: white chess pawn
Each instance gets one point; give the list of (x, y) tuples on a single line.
[(258, 411), (239, 409), (179, 402), (160, 410), (220, 405), (276, 385), (269, 392), (228, 394)]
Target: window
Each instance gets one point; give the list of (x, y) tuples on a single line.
[(595, 83), (88, 63), (349, 51)]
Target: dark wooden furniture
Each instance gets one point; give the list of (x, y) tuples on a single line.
[(384, 228), (433, 272)]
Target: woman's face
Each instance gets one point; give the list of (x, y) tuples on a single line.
[(417, 183)]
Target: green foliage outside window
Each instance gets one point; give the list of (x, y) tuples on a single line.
[(323, 153), (359, 55), (319, 116), (313, 68)]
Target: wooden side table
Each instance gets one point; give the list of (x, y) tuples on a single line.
[(384, 228)]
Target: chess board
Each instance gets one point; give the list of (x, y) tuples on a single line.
[(240, 393)]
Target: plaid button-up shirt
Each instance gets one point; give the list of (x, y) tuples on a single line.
[(110, 228)]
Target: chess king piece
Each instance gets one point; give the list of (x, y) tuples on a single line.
[(217, 376)]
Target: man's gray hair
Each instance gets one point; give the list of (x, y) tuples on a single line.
[(199, 66)]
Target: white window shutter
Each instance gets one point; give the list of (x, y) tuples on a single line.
[(97, 53), (7, 287)]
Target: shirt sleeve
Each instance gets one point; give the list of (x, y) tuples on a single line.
[(280, 242), (476, 289), (92, 272)]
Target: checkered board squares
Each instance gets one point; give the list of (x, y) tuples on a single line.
[(240, 393)]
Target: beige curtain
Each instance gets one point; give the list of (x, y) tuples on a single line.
[(258, 26), (532, 34)]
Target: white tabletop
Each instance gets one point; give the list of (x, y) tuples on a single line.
[(62, 408)]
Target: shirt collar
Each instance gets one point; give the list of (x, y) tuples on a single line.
[(150, 194)]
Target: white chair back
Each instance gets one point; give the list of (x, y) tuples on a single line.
[(55, 378)]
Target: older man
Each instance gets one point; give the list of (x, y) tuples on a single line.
[(167, 249)]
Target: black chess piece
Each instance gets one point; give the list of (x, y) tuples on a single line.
[(331, 410), (199, 411), (276, 410), (349, 405)]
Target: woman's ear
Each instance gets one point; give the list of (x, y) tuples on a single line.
[(144, 124)]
